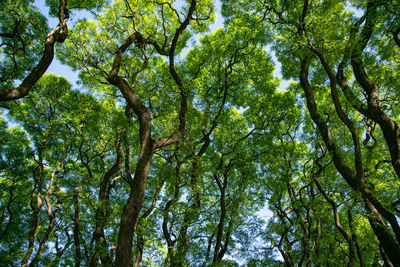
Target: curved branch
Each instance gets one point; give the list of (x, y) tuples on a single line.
[(179, 133), (339, 110), (58, 34), (133, 101), (390, 129), (337, 223), (341, 166)]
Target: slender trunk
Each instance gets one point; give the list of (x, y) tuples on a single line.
[(78, 254), (318, 243), (306, 233), (208, 250), (46, 236), (354, 238), (224, 247), (60, 252), (139, 235), (51, 214), (285, 254), (139, 249), (338, 224), (222, 188), (191, 213), (101, 249), (168, 205), (36, 209)]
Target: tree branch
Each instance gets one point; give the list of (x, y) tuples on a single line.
[(58, 34)]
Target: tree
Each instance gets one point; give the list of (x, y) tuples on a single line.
[(178, 138), (304, 35)]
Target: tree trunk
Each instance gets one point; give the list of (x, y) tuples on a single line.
[(132, 208)]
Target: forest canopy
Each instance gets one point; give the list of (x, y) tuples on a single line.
[(178, 140)]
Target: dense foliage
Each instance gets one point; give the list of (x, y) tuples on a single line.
[(179, 140)]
